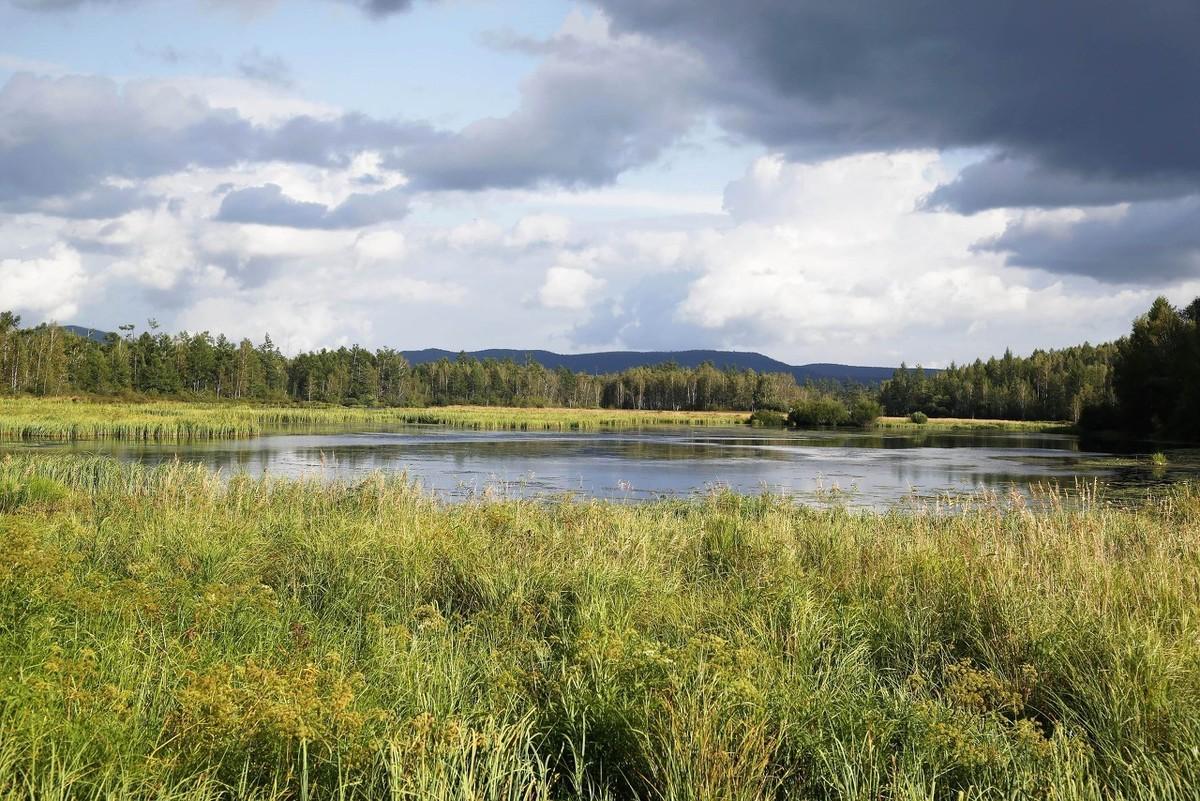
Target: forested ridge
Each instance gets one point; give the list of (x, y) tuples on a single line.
[(49, 360), (1146, 382)]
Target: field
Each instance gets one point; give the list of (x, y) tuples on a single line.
[(72, 419), (168, 635)]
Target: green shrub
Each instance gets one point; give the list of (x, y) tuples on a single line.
[(920, 418), (864, 411), (824, 410), (768, 418)]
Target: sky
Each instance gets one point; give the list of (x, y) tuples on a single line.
[(865, 181)]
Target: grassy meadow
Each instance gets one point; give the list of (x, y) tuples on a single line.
[(168, 635), (71, 419)]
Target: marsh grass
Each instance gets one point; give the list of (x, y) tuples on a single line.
[(966, 423), (68, 419), (165, 634)]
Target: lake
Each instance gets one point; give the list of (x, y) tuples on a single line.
[(862, 469)]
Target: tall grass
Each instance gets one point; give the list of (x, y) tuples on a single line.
[(69, 419), (970, 423), (164, 634)]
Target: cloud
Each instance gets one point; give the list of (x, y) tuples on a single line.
[(375, 8), (568, 288), (1006, 182), (381, 246), (49, 286), (540, 229), (143, 130), (255, 65), (382, 8), (1097, 91), (1147, 243), (268, 205), (646, 316), (102, 202), (811, 262), (65, 5), (595, 107), (1077, 105), (834, 260)]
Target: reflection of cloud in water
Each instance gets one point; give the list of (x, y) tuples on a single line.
[(858, 468)]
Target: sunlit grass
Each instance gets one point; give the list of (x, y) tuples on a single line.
[(966, 423), (69, 419), (167, 634)]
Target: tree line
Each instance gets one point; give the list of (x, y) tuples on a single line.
[(1156, 375), (1046, 385), (1147, 382), (50, 360)]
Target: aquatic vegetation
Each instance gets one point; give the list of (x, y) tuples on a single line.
[(966, 424), (75, 420), (166, 634)]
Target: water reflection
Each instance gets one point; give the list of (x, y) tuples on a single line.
[(864, 468)]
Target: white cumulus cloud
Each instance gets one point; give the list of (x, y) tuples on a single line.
[(50, 285), (568, 288)]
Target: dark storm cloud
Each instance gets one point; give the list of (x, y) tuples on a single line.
[(268, 205), (1149, 243), (1101, 90), (148, 130), (590, 111), (1001, 182)]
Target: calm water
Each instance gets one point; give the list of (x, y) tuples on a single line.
[(861, 469)]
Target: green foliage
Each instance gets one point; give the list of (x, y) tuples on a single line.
[(1047, 385), (920, 418), (864, 410), (768, 418), (48, 360), (818, 410), (169, 634), (1157, 373)]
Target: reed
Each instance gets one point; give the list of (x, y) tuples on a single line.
[(69, 419), (967, 424), (166, 634)]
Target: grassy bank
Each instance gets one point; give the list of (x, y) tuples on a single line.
[(966, 424), (166, 635), (69, 419)]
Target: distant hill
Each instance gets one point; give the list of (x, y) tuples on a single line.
[(94, 334), (618, 360), (614, 361)]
